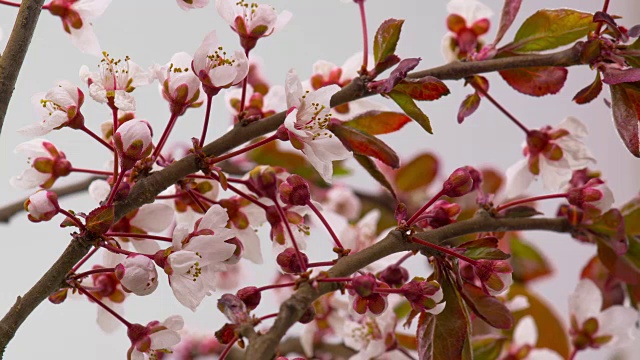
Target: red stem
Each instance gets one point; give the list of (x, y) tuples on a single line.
[(83, 260), (339, 279), (114, 189), (139, 236), (114, 111), (165, 135), (241, 193), (93, 271), (97, 138), (325, 223), (283, 218), (403, 258), (605, 8), (444, 250), (245, 149), (111, 311), (117, 250), (206, 120), (263, 318), (204, 198), (197, 201), (531, 199), (72, 217), (91, 171), (501, 108), (226, 350), (574, 352), (365, 40), (243, 98), (424, 208), (276, 286), (11, 3)]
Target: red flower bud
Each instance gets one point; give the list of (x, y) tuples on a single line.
[(295, 191), (459, 183), (394, 275), (250, 296), (288, 261)]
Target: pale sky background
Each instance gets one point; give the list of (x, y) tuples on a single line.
[(151, 31)]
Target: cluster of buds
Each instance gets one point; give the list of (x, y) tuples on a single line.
[(289, 261), (424, 295)]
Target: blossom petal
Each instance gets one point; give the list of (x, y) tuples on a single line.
[(525, 333), (293, 89), (518, 178), (164, 339), (586, 301), (153, 217), (85, 39)]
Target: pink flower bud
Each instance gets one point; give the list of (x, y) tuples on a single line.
[(594, 196), (459, 183), (233, 308), (288, 261), (265, 180), (295, 191), (250, 296), (394, 275), (137, 274), (42, 206), (133, 142)]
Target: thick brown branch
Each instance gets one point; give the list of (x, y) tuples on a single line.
[(7, 211), (16, 50), (146, 189), (264, 346), (293, 345)]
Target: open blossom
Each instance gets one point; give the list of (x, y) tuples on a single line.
[(178, 84), (47, 164), (306, 125), (42, 206), (137, 274), (342, 200), (115, 81), (593, 327), (76, 18), (154, 338), (370, 337), (251, 21), (198, 256), (187, 5), (217, 69), (257, 106), (58, 107), (467, 21), (107, 288), (523, 344), (552, 154)]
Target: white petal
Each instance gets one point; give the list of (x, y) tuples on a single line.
[(555, 174), (215, 218), (470, 10), (323, 67), (29, 179), (307, 337), (543, 354), (586, 301), (518, 178), (574, 126), (174, 322), (200, 57), (164, 339), (525, 333), (251, 245), (145, 246), (153, 217), (99, 190), (90, 9), (293, 89), (107, 322), (283, 19), (227, 10), (620, 322), (85, 39)]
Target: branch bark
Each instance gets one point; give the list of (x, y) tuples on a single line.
[(264, 346), (16, 50), (146, 189)]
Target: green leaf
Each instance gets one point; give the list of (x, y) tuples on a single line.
[(426, 88), (548, 29), (487, 347), (417, 173), (386, 39), (527, 261), (364, 144), (410, 108), (378, 122), (373, 170), (488, 308)]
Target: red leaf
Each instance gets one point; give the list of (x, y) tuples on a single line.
[(616, 76), (468, 106), (490, 309), (386, 39), (527, 261), (364, 144), (100, 219), (417, 173), (378, 122), (509, 12), (590, 92), (373, 170), (426, 88), (398, 74), (425, 334), (625, 104), (536, 81)]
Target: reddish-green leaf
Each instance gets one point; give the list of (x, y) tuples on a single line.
[(468, 106), (417, 173), (625, 267), (373, 170), (550, 28), (509, 11), (625, 105), (536, 81), (364, 144), (527, 261), (486, 253), (425, 334), (488, 308), (487, 241), (100, 219), (386, 39), (410, 108), (426, 88), (376, 122), (590, 92), (487, 347), (631, 213)]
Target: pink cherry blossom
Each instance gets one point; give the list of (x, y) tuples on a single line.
[(154, 338), (552, 154), (187, 5), (77, 16), (306, 124), (178, 84), (217, 69), (47, 164), (58, 107), (115, 81), (137, 274), (342, 200), (42, 206)]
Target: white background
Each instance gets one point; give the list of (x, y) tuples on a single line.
[(151, 31)]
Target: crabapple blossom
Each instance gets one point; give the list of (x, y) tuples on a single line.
[(257, 106), (331, 314), (244, 219), (251, 21), (424, 295), (137, 274), (364, 298), (340, 199), (467, 21), (187, 5), (47, 164), (523, 344), (495, 276), (115, 81), (197, 256), (155, 337), (306, 125), (106, 288), (59, 107), (77, 16), (42, 206), (370, 337), (593, 327), (594, 196), (133, 140), (178, 84), (552, 154), (216, 69)]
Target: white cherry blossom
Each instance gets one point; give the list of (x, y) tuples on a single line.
[(178, 84), (525, 338), (57, 107), (77, 16), (217, 69), (156, 337)]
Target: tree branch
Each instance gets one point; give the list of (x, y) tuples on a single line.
[(264, 346), (16, 50), (7, 211), (145, 190)]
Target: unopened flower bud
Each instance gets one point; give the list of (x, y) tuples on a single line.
[(423, 295), (133, 142), (394, 275), (237, 254), (295, 191), (265, 180), (226, 334), (289, 262), (594, 195), (233, 308), (42, 206), (459, 183), (364, 285), (250, 296), (137, 274)]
